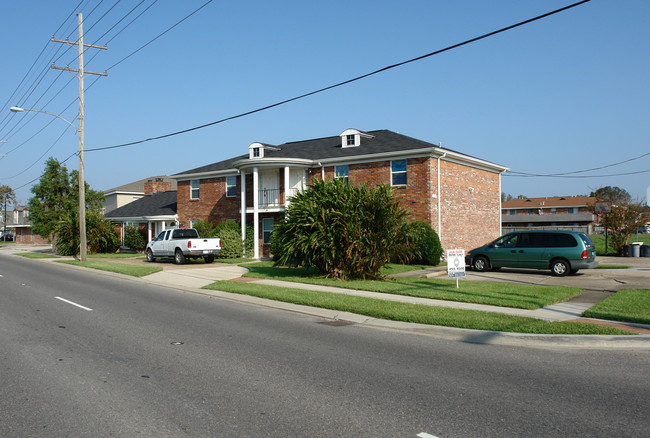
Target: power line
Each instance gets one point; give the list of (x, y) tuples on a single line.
[(512, 173), (349, 81), (577, 176)]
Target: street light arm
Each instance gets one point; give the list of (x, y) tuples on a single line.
[(16, 109)]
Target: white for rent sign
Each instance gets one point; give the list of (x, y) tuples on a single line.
[(455, 263)]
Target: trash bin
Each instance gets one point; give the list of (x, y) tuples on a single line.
[(636, 249), (645, 251), (627, 251)]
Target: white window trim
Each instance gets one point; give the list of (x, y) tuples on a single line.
[(234, 185), (405, 172), (265, 230), (197, 189)]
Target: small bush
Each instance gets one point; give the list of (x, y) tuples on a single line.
[(135, 238), (424, 244), (230, 234), (205, 228), (231, 247)]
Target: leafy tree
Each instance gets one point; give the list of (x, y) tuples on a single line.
[(7, 196), (56, 199), (342, 230), (614, 194), (624, 219), (522, 197), (506, 197)]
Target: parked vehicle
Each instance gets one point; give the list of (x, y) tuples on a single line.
[(562, 252), (6, 238), (183, 244)]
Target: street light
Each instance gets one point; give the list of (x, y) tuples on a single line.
[(83, 250)]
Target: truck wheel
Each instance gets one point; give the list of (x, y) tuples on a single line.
[(179, 258), (208, 259), (150, 257)]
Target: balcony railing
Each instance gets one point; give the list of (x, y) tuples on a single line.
[(273, 197)]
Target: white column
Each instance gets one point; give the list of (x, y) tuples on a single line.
[(242, 187), (256, 213), (149, 224), (287, 188)]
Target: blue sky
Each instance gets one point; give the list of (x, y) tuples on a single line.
[(567, 93)]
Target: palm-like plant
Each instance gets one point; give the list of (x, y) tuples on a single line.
[(342, 230)]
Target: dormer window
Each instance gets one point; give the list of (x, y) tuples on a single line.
[(257, 150), (351, 138)]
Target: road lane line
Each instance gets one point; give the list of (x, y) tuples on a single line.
[(425, 435), (74, 304)]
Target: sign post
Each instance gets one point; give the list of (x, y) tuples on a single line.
[(456, 264), (603, 207)]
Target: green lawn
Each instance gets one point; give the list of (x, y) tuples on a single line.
[(120, 255), (120, 268), (492, 293), (415, 313), (599, 241), (625, 305)]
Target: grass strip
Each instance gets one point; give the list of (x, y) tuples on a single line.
[(416, 313), (521, 296), (120, 268), (631, 305), (37, 255), (120, 255), (613, 267)]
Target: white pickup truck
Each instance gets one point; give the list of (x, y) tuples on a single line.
[(182, 244)]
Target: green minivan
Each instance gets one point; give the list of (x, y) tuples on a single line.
[(562, 252)]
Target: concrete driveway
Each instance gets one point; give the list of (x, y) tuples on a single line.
[(600, 280)]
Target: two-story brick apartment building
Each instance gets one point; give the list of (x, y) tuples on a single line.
[(459, 195), (552, 212)]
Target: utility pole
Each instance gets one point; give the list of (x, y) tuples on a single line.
[(83, 249)]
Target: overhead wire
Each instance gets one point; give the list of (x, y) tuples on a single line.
[(349, 81)]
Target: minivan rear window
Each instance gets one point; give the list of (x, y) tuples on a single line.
[(586, 240)]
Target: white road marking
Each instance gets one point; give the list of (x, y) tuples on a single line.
[(74, 304), (425, 435)]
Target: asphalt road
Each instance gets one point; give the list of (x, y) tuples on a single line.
[(151, 361)]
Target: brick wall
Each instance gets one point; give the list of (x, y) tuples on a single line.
[(213, 204), (469, 200)]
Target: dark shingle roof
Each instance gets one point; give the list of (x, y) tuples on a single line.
[(328, 148), (157, 204)]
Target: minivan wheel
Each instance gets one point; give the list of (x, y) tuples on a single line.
[(480, 264), (560, 268)]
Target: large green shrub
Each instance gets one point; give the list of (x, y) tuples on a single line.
[(343, 230), (135, 238), (101, 235), (423, 244)]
